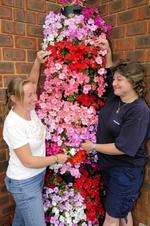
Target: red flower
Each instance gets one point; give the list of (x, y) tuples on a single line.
[(89, 187), (78, 157), (90, 100)]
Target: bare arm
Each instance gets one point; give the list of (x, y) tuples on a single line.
[(109, 149), (35, 71), (25, 156)]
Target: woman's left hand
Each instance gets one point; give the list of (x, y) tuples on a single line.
[(87, 146)]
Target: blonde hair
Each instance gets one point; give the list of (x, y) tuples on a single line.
[(15, 88)]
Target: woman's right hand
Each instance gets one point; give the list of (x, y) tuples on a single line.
[(42, 56), (61, 158)]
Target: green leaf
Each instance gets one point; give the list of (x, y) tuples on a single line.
[(64, 52)]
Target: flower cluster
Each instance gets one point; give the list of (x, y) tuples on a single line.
[(64, 206), (90, 187), (71, 95), (82, 27), (75, 203), (71, 2)]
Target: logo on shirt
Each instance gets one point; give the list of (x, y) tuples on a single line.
[(116, 122)]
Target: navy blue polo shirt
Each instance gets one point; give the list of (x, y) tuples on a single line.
[(128, 128)]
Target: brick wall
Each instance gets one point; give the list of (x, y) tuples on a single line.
[(20, 37)]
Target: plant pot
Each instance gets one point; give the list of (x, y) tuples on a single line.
[(71, 9)]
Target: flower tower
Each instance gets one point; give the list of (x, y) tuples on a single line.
[(71, 96)]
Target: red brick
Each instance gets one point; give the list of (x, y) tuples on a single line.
[(124, 44), (1, 81), (7, 78), (144, 12), (36, 5), (7, 2), (6, 210), (149, 27), (31, 55), (33, 30), (19, 3), (25, 42), (138, 54), (2, 188), (5, 12), (3, 165), (0, 53), (40, 18), (30, 17), (136, 28), (111, 19), (51, 6), (12, 27), (6, 40), (14, 54), (19, 15), (147, 69), (103, 10), (6, 68), (40, 41), (23, 68), (7, 26), (117, 6), (127, 16), (19, 28), (136, 3), (142, 41), (94, 3), (4, 199), (118, 55), (118, 32)]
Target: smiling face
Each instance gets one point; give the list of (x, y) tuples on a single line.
[(26, 97), (30, 97), (121, 85)]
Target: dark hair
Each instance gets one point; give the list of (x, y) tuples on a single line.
[(134, 72), (15, 87)]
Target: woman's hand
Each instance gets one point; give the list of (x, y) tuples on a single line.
[(42, 56), (88, 146), (61, 158), (104, 44)]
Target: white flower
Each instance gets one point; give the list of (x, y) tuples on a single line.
[(101, 71), (54, 203), (55, 210), (72, 151), (50, 38), (62, 219), (84, 224)]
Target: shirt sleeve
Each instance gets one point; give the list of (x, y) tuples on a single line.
[(133, 132), (15, 136)]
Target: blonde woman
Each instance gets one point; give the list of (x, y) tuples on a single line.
[(24, 134)]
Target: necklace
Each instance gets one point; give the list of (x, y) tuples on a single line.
[(124, 104), (120, 106)]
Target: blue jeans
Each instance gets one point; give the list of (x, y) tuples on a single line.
[(28, 197)]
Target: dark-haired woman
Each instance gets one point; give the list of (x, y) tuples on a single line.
[(24, 134), (123, 129)]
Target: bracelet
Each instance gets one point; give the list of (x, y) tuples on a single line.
[(93, 146)]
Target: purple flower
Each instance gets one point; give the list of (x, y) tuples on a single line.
[(88, 13)]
